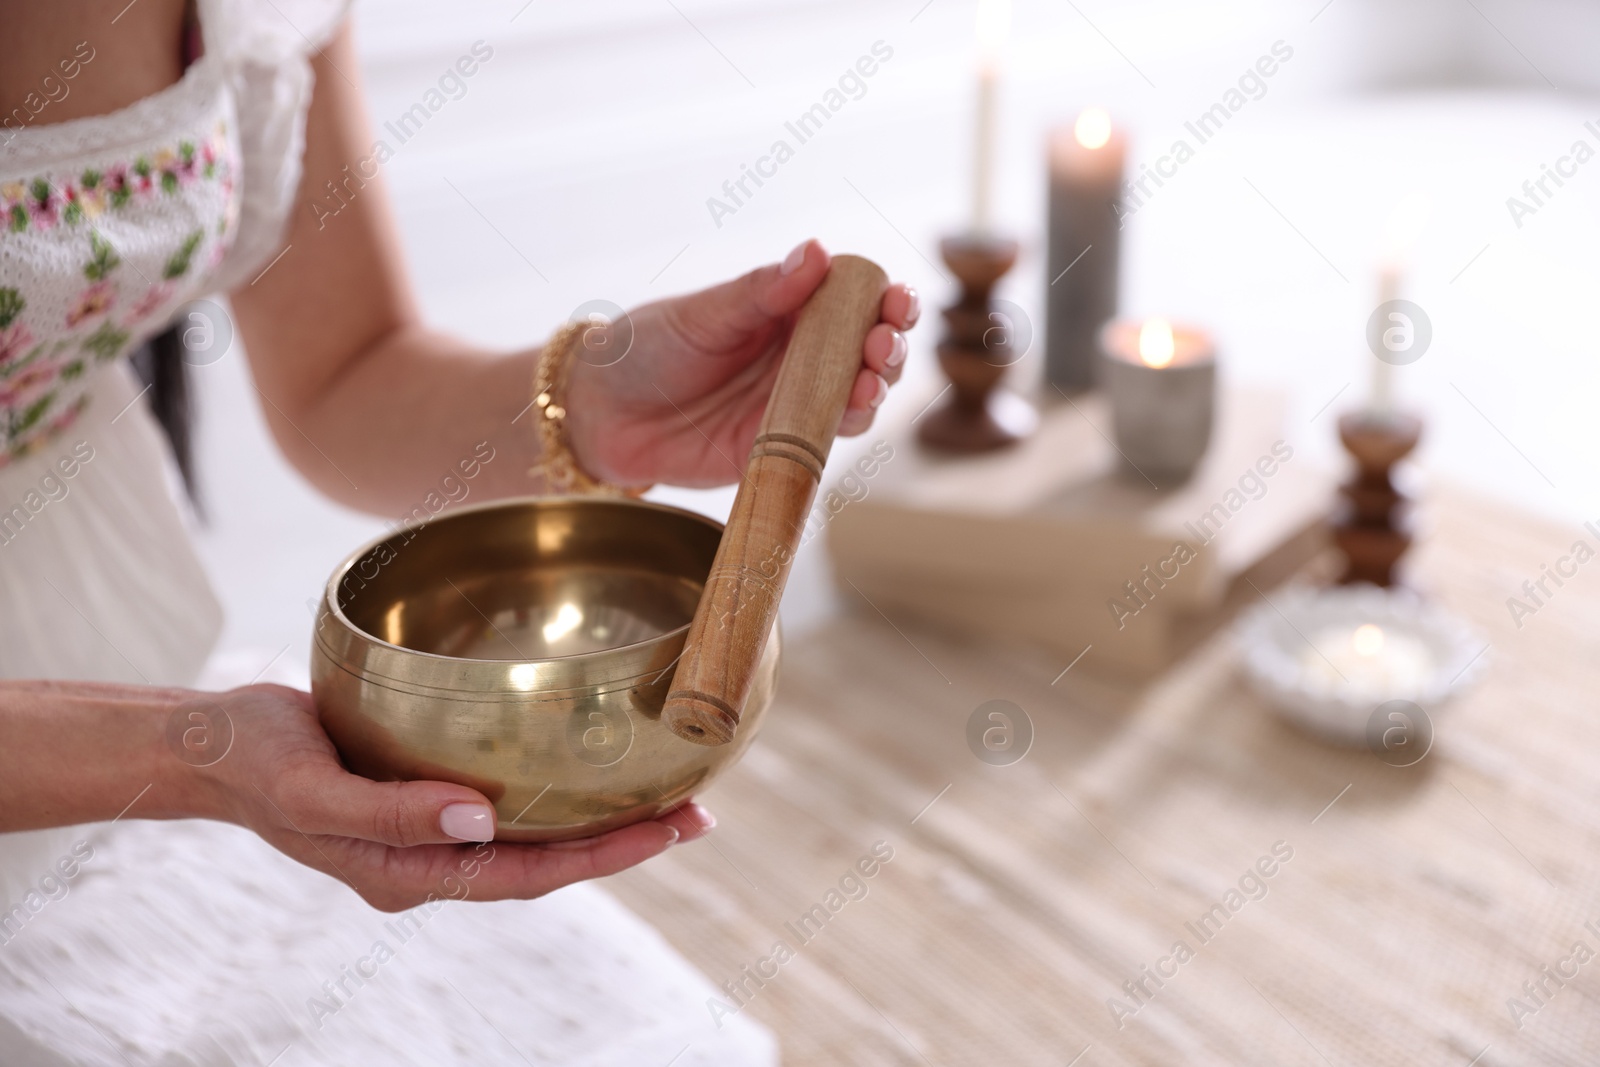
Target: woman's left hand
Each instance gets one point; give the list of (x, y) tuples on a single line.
[(683, 404)]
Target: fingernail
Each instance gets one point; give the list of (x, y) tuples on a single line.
[(793, 261), (672, 836), (467, 822), (701, 817), (913, 307), (879, 396), (897, 353)]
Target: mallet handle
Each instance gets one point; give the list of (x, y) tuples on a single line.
[(741, 595)]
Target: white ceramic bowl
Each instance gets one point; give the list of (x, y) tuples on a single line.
[(1280, 640)]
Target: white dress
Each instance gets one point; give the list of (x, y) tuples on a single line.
[(194, 943)]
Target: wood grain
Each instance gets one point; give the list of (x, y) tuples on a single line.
[(740, 601), (1021, 898)]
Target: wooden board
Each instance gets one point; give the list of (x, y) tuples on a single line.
[(1021, 898)]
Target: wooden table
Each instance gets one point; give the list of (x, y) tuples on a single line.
[(1021, 898)]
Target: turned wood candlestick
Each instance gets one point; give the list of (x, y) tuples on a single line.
[(977, 347), (1373, 530)]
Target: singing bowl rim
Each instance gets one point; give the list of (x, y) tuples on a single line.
[(480, 679)]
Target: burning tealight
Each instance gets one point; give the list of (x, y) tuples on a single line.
[(1368, 663), (1156, 346), (1334, 659), (1367, 640), (1162, 381)]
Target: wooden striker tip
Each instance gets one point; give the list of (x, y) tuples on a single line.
[(696, 718)]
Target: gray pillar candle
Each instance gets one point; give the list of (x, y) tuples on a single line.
[(1161, 381), (1086, 165)]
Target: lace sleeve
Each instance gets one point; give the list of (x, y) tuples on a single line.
[(266, 50)]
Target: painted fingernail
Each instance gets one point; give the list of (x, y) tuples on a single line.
[(467, 822), (879, 396), (913, 307), (793, 261), (897, 353)]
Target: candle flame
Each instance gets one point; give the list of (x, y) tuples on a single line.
[(1404, 226), (1156, 346), (1367, 640), (1093, 128), (994, 23)]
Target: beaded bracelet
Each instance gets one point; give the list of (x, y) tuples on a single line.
[(559, 467)]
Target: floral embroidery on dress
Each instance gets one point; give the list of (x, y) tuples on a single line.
[(41, 204), (43, 361), (14, 335), (93, 301)]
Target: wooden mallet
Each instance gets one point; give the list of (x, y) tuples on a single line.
[(740, 600)]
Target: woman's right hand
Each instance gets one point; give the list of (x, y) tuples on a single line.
[(395, 843)]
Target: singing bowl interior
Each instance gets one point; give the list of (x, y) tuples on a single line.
[(524, 648)]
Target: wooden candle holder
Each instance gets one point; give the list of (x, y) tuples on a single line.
[(1373, 530), (975, 351)]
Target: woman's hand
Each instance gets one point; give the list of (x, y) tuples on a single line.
[(683, 404), (394, 843)]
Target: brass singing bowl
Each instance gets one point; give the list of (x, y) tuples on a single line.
[(524, 648)]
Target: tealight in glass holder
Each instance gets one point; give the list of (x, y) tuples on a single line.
[(1161, 381)]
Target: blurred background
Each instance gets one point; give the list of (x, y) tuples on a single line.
[(578, 164)]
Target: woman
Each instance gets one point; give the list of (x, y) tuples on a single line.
[(152, 153)]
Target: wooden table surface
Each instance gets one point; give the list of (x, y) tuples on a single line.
[(1021, 898)]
